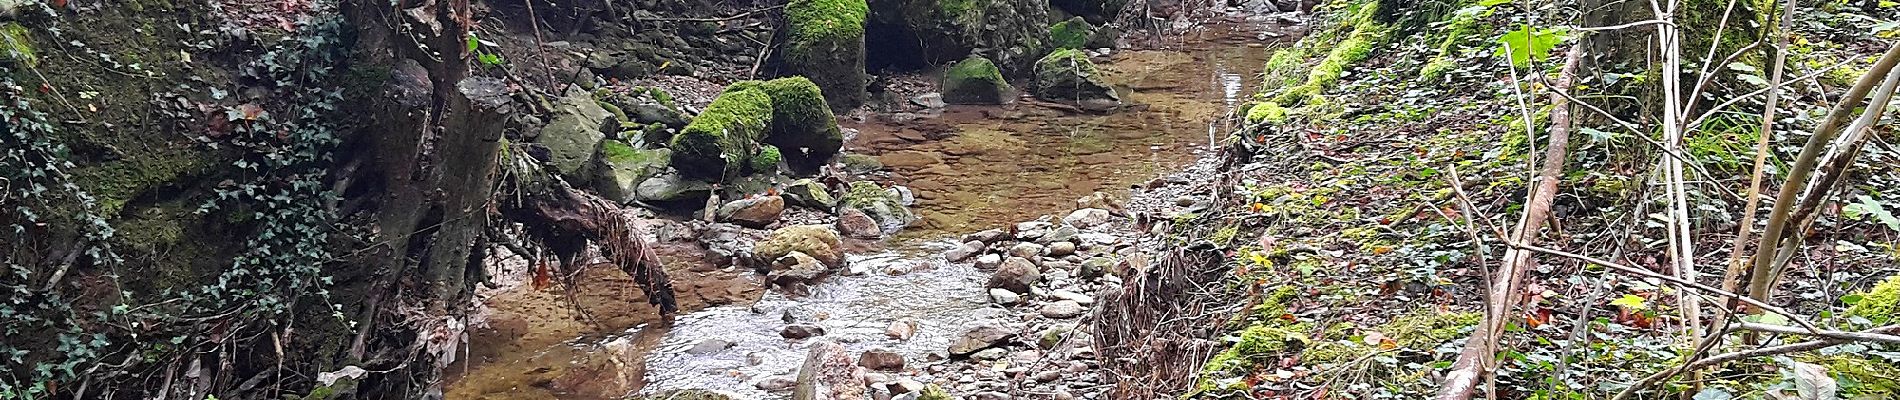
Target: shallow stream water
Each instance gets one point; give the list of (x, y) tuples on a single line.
[(971, 167)]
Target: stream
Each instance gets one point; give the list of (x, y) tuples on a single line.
[(970, 167)]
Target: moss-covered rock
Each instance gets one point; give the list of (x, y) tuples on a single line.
[(818, 241), (826, 43), (720, 141), (803, 128), (1012, 33), (766, 162), (622, 168), (883, 206), (1880, 304), (1068, 76), (1074, 33), (573, 134), (810, 193), (17, 45), (975, 80)]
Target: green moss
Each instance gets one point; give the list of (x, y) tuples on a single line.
[(827, 44), (117, 183), (18, 45), (1880, 303), (826, 20), (975, 80), (721, 138), (933, 392), (1071, 34), (802, 121), (1266, 112), (975, 68), (1863, 377), (767, 160)]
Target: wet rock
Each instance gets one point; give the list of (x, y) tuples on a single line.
[(1011, 33), (670, 187), (801, 331), (1060, 249), (775, 384), (1184, 201), (883, 206), (979, 338), (856, 224), (989, 261), (803, 127), (901, 330), (1026, 250), (1064, 309), (809, 193), (757, 212), (928, 100), (795, 268), (1004, 296), (881, 359), (817, 241), (1060, 234), (1073, 33), (829, 374), (1068, 76), (1078, 298), (975, 80), (987, 236), (1094, 268), (709, 346), (1016, 275), (1032, 230), (990, 354), (723, 140), (1086, 218), (963, 252), (622, 168), (826, 42)]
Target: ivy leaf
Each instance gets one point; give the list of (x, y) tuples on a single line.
[(1524, 45), (1630, 301), (1597, 135), (473, 42), (1865, 206)]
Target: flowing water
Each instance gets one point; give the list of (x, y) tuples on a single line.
[(971, 167)]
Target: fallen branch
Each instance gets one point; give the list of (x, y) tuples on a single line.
[(1726, 357)]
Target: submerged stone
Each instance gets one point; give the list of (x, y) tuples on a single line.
[(818, 241), (1068, 76)]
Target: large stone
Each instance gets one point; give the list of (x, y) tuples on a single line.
[(622, 168), (856, 224), (975, 80), (979, 338), (573, 134), (818, 241), (803, 128), (829, 373), (722, 141), (826, 43), (670, 187), (756, 212), (1068, 76), (881, 205), (1086, 218), (881, 359), (794, 269), (810, 193), (1026, 250), (1011, 33), (1071, 34), (801, 331), (1016, 275)]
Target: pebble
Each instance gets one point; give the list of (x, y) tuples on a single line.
[(1078, 298), (881, 359), (1059, 249), (1048, 376), (801, 331), (1026, 250), (1184, 201), (708, 347)]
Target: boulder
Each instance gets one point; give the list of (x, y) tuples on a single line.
[(928, 100), (856, 224), (826, 43), (1011, 33), (881, 359), (975, 80), (623, 167), (670, 187), (1068, 76), (1016, 275), (573, 135), (756, 212), (829, 373), (1093, 268), (987, 236), (809, 193), (979, 338), (720, 142), (1086, 218), (817, 241), (803, 128), (884, 207)]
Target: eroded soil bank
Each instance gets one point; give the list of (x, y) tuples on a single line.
[(970, 167)]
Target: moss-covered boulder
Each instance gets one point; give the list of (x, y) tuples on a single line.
[(803, 128), (720, 141), (1068, 76), (884, 206), (975, 80), (573, 134), (1074, 33), (826, 43), (818, 241), (16, 45), (1012, 33), (810, 193), (622, 167)]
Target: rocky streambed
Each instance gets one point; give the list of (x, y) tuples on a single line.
[(985, 297)]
